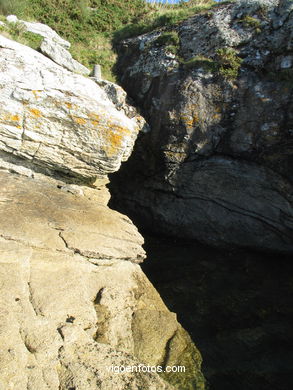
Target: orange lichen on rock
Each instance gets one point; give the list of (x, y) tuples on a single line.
[(68, 105), (94, 117), (216, 116), (35, 92), (35, 112), (190, 120), (114, 139), (80, 121), (11, 117)]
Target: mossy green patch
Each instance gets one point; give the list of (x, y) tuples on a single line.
[(229, 63), (16, 31), (251, 22), (200, 62), (168, 38)]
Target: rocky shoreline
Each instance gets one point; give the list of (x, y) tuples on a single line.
[(209, 160), (74, 300), (216, 91)]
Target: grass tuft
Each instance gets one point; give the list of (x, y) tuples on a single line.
[(94, 26)]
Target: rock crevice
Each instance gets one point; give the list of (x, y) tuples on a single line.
[(217, 164)]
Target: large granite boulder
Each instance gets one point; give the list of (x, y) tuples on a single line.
[(58, 120), (217, 163)]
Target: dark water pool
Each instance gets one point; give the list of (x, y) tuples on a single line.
[(237, 306)]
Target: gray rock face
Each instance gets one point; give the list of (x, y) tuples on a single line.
[(62, 57), (220, 202), (217, 163), (54, 119)]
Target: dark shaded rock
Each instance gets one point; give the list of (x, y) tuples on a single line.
[(237, 307), (216, 165), (218, 201)]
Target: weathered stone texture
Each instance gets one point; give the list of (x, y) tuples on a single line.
[(58, 120), (217, 163), (69, 302), (71, 290)]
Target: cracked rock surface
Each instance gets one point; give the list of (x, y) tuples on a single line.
[(217, 164), (71, 306), (74, 301), (54, 119)]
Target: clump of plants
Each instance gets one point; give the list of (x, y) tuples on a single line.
[(17, 32), (94, 26), (251, 22), (200, 62), (168, 38), (228, 63)]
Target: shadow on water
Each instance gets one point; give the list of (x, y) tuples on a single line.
[(237, 307)]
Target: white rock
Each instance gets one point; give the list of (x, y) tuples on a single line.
[(12, 19), (55, 119), (46, 32), (62, 57)]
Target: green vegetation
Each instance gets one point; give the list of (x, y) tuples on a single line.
[(172, 49), (12, 6), (228, 63), (200, 62), (251, 22), (16, 32), (168, 15), (168, 38), (93, 26)]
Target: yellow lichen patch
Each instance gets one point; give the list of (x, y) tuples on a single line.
[(35, 112), (68, 105), (80, 121), (93, 116), (114, 139), (175, 156), (195, 118), (190, 120), (35, 93), (11, 117), (95, 123)]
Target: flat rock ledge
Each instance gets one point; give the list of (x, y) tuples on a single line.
[(71, 306)]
